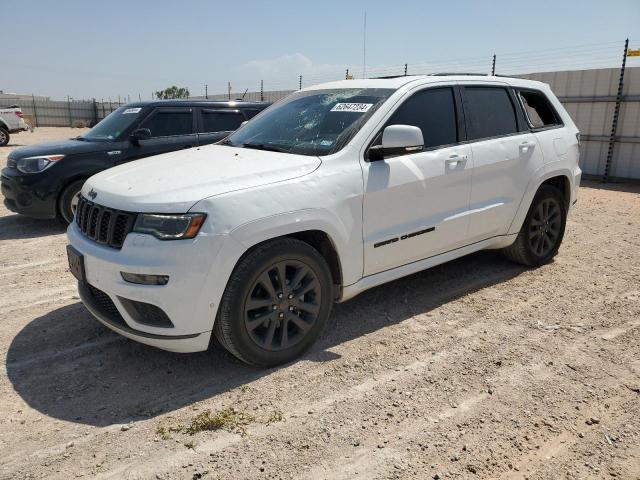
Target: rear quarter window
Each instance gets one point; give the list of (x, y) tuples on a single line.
[(538, 109)]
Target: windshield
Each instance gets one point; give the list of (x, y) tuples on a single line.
[(114, 124), (316, 122)]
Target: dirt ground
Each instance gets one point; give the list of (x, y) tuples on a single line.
[(474, 369)]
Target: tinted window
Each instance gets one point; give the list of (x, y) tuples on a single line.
[(165, 123), (489, 112), (221, 121), (539, 111), (115, 124), (434, 112), (251, 112)]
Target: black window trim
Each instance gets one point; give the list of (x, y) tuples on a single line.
[(461, 132), (522, 127), (156, 110), (559, 123), (224, 110)]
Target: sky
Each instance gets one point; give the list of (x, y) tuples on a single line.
[(86, 49)]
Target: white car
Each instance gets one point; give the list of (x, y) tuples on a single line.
[(11, 121), (336, 189)]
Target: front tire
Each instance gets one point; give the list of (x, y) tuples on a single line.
[(4, 137), (542, 231), (276, 303), (69, 201)]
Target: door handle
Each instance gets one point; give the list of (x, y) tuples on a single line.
[(455, 159), (526, 145)]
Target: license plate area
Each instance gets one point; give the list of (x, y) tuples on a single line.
[(76, 263)]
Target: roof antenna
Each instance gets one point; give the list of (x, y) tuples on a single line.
[(364, 47)]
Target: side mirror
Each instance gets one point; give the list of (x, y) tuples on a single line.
[(140, 134), (397, 140)]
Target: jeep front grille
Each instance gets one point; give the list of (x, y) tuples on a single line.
[(103, 225)]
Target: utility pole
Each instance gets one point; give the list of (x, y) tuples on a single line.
[(493, 66), (35, 110), (300, 83), (229, 87), (616, 114), (262, 90), (346, 75), (405, 69), (206, 91), (364, 47)]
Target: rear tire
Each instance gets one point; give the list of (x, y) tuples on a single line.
[(265, 319), (4, 136), (542, 230), (69, 200)]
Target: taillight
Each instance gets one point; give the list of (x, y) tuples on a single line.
[(18, 113)]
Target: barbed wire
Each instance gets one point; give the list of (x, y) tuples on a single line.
[(583, 56)]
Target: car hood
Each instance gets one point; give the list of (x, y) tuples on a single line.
[(65, 147), (174, 182)]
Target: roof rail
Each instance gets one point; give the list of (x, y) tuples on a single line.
[(389, 76), (448, 74)]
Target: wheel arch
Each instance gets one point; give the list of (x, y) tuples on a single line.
[(66, 185), (561, 179), (317, 239), (333, 240)]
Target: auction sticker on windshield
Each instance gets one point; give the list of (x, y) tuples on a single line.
[(132, 110), (352, 107)]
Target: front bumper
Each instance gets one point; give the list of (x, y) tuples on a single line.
[(197, 278), (20, 196)]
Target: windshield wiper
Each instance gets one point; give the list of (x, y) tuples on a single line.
[(262, 146)]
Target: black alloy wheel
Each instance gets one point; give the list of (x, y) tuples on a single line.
[(283, 305), (276, 302), (545, 227)]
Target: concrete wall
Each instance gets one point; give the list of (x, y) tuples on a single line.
[(589, 97)]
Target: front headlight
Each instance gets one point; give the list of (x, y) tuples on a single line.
[(37, 164), (169, 227)]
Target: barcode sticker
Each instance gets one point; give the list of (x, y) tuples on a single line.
[(132, 110), (352, 107)]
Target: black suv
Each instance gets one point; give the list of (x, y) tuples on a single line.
[(44, 181)]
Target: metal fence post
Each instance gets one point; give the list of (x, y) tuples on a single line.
[(206, 91), (346, 75), (69, 109), (300, 83), (493, 65), (405, 69), (95, 112), (616, 114), (35, 110), (262, 90)]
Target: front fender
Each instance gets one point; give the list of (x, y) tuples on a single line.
[(342, 235)]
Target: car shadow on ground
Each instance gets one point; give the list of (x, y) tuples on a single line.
[(612, 186), (16, 227), (68, 366)]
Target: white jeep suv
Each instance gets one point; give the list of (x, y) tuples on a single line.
[(336, 189)]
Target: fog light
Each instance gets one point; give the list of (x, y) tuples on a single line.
[(142, 279)]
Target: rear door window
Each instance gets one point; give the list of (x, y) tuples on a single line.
[(538, 109), (489, 112), (170, 122), (434, 112), (220, 121)]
